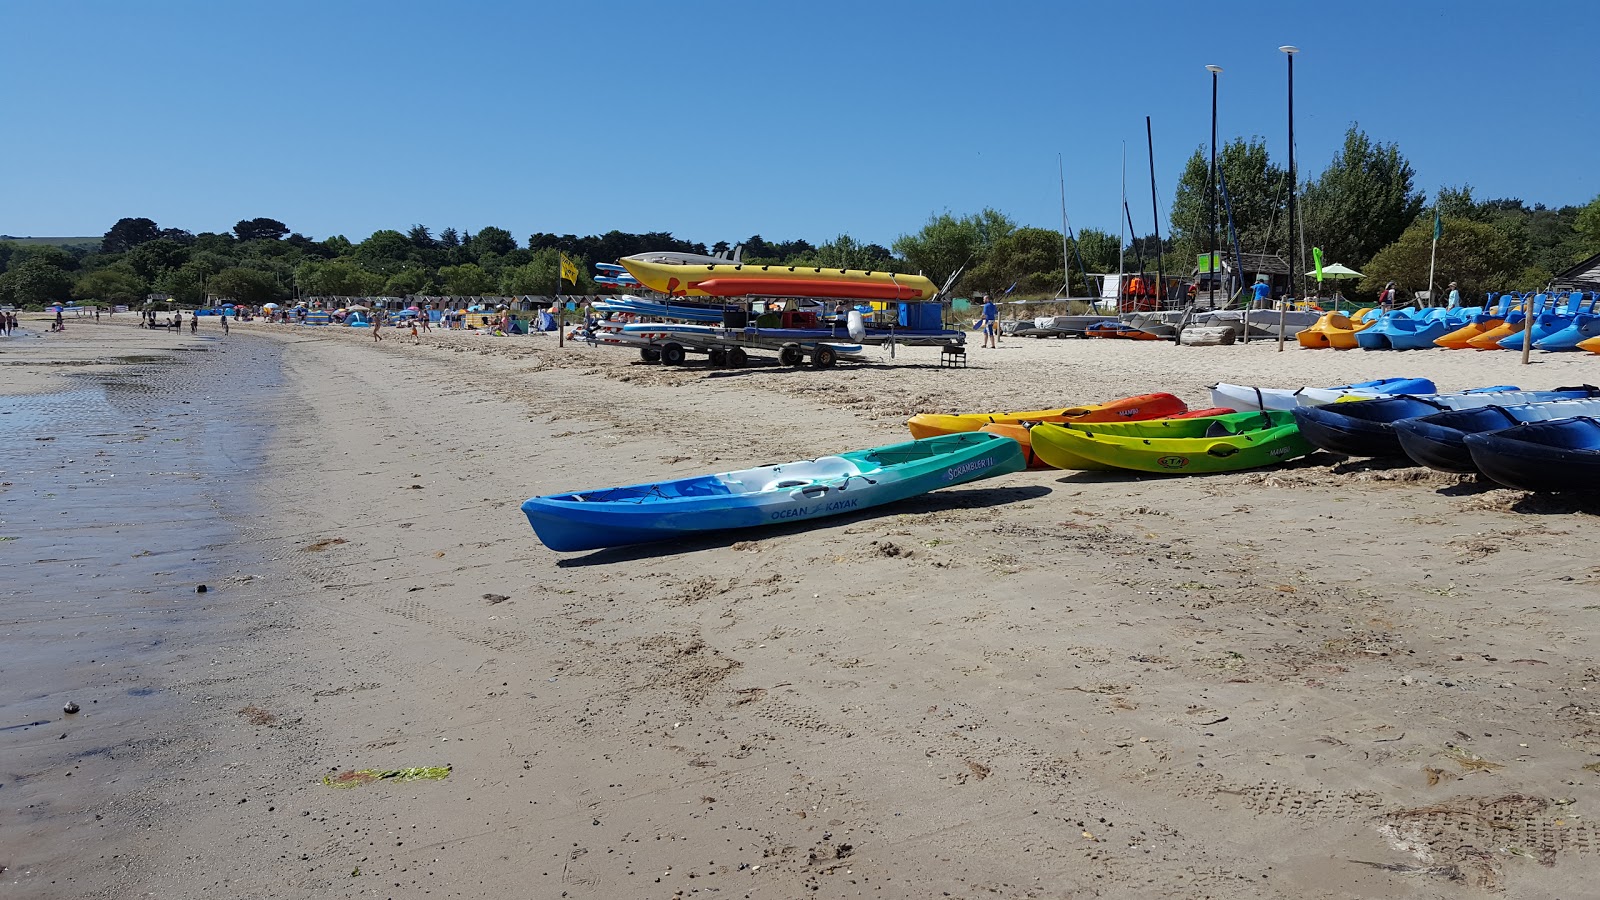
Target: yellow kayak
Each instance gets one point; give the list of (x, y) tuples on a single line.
[(1144, 406)]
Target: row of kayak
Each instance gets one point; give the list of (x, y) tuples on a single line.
[(1534, 440), (1245, 428), (1560, 323), (1530, 440)]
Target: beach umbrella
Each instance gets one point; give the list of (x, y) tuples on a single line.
[(1335, 271), (269, 306), (413, 309), (358, 309)]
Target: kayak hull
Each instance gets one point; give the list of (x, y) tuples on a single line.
[(1438, 441), (1366, 427), (1172, 456), (766, 495), (1244, 397), (1061, 453), (1559, 455)]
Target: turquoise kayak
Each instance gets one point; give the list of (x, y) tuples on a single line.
[(793, 492)]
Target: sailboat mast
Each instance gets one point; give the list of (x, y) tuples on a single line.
[(1066, 268), (1121, 269), (1155, 215)]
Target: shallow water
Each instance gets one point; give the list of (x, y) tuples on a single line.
[(117, 499)]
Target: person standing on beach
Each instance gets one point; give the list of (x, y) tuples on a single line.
[(1455, 297), (989, 324), (194, 322), (1263, 292), (224, 325), (1386, 298), (377, 323)]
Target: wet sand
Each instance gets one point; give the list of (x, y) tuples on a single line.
[(1331, 679)]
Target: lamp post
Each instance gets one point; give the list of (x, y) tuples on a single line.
[(1294, 186), (1211, 262)]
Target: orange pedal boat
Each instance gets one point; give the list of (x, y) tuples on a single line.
[(1335, 330)]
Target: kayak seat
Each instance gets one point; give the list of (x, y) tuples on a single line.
[(823, 468)]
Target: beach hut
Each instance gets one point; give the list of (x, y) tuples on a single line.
[(1585, 276)]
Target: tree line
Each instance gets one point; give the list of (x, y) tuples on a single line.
[(1362, 209)]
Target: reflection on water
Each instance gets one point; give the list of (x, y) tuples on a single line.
[(116, 499)]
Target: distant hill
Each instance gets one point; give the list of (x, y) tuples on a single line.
[(92, 242)]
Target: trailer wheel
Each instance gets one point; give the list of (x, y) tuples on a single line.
[(791, 355), (718, 356), (649, 354), (737, 357), (672, 354), (824, 356)]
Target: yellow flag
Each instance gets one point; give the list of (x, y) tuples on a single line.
[(569, 271)]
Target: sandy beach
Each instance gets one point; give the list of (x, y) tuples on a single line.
[(1331, 679)]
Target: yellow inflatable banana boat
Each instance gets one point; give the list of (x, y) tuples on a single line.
[(738, 279)]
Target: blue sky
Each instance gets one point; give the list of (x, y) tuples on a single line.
[(719, 120)]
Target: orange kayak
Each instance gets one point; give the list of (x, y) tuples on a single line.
[(1144, 406), (1461, 338), (1592, 345)]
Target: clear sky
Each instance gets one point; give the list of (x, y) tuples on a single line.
[(717, 120)]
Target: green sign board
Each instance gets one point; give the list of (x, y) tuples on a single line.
[(1206, 263)]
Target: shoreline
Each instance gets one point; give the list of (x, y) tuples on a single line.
[(1038, 685)]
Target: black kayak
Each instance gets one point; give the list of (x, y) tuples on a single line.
[(1438, 440), (1560, 455), (1363, 427), (1366, 427)]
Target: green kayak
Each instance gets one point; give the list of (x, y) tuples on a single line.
[(1227, 443)]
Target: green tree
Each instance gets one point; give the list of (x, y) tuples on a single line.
[(466, 280), (1029, 257), (1588, 226), (385, 251), (45, 254), (127, 234), (491, 240), (151, 258), (36, 281), (115, 284), (947, 244), (262, 229), (409, 282), (185, 284), (252, 287), (1362, 202), (845, 252), (1475, 255), (336, 278), (1257, 193), (541, 277)]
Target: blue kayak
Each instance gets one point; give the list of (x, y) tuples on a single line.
[(1366, 427), (765, 495), (1438, 441), (1560, 455)]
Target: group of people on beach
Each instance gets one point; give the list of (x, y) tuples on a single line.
[(8, 323)]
